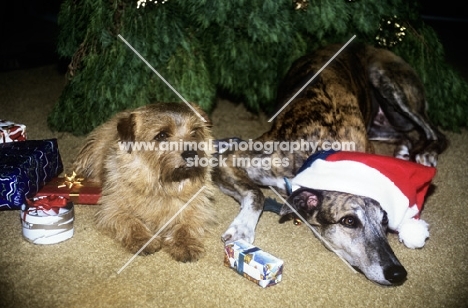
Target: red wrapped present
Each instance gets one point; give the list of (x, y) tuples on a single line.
[(10, 132), (74, 188)]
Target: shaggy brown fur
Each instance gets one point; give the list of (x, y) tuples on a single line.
[(143, 189)]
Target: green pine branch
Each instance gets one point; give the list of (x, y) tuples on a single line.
[(242, 47)]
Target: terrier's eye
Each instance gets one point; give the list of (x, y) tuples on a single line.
[(162, 136), (349, 221), (194, 132)]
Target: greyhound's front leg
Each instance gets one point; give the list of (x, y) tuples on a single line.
[(237, 182), (243, 226)]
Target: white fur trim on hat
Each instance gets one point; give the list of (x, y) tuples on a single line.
[(413, 233)]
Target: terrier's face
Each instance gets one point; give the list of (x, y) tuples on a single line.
[(169, 138)]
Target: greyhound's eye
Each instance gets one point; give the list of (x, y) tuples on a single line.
[(385, 219), (349, 221), (162, 136)]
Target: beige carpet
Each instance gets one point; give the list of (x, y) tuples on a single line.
[(82, 271)]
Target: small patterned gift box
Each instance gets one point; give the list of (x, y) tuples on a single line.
[(253, 263), (10, 131)]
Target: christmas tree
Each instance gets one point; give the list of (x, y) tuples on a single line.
[(243, 48)]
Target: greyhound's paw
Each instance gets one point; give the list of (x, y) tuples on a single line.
[(237, 232), (427, 159), (402, 152)]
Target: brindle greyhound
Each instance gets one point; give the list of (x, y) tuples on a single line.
[(364, 94)]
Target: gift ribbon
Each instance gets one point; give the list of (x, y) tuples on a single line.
[(65, 222), (46, 203), (71, 181)]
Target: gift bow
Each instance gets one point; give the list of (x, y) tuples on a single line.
[(71, 181), (47, 203)]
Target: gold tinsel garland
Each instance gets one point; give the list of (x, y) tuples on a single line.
[(391, 29), (143, 2), (391, 32), (300, 4)]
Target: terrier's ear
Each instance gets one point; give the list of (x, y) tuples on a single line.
[(304, 200), (126, 129)]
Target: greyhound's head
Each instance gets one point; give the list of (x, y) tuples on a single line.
[(355, 228)]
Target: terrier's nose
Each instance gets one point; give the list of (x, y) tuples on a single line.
[(188, 154)]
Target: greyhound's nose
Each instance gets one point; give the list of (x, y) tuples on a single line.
[(395, 274), (188, 154)]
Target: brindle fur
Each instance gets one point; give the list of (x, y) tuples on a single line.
[(364, 94), (341, 219)]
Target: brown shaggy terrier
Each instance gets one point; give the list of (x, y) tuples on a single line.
[(142, 189)]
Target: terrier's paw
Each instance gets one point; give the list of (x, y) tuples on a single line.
[(150, 247), (139, 237), (238, 231), (427, 159), (186, 250)]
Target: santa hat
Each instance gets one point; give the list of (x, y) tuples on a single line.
[(399, 186)]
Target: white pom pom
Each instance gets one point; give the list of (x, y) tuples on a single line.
[(413, 233)]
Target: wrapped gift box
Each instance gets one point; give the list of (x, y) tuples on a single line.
[(24, 168), (10, 131), (253, 263), (47, 219), (74, 188)]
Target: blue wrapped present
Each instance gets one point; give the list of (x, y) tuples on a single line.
[(24, 169)]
